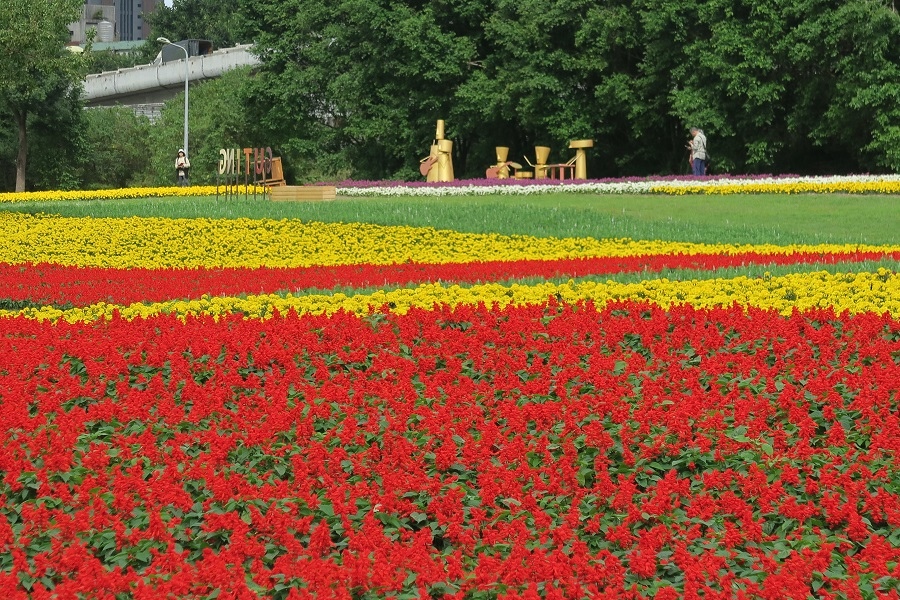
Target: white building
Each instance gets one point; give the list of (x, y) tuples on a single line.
[(95, 15), (114, 20)]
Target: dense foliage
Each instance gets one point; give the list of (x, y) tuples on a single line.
[(37, 75), (222, 23), (353, 89), (799, 86), (217, 120)]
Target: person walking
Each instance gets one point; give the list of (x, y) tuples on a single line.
[(182, 167), (699, 155)]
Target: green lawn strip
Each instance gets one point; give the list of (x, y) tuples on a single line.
[(746, 219), (9, 304)]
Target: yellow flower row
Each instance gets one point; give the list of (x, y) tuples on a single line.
[(161, 243), (119, 194), (775, 187), (854, 292)]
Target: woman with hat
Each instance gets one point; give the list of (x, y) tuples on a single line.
[(182, 166)]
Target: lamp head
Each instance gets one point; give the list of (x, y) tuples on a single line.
[(163, 40)]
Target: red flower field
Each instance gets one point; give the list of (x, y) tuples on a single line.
[(555, 451)]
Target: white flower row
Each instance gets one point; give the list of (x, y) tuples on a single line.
[(641, 187), (596, 187), (824, 179)]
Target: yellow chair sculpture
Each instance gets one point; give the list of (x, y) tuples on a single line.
[(276, 178)]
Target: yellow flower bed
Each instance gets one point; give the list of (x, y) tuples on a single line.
[(774, 187), (160, 243), (853, 292), (118, 194)]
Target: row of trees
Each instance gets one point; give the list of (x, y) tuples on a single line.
[(806, 86), (354, 87)]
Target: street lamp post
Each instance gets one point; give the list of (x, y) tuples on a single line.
[(166, 41)]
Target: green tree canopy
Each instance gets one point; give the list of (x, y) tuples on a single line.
[(353, 88), (361, 82), (35, 68), (802, 86), (115, 147), (222, 23)]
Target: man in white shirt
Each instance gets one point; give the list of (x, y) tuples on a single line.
[(699, 155)]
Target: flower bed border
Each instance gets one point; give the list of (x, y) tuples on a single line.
[(668, 185)]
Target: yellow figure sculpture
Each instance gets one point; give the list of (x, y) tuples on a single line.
[(541, 154), (438, 165), (501, 169)]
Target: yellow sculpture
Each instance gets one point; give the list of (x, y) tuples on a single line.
[(574, 168), (501, 169), (438, 165), (581, 157), (541, 154), (427, 165)]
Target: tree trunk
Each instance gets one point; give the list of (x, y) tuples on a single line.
[(22, 158)]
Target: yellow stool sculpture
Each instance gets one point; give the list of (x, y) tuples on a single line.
[(581, 156)]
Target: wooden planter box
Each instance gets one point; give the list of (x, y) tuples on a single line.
[(286, 193)]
